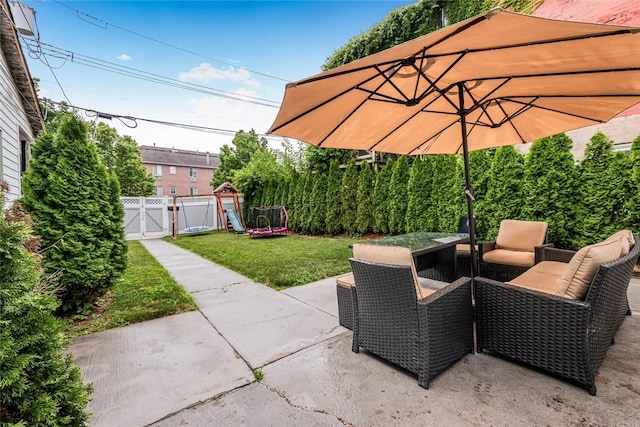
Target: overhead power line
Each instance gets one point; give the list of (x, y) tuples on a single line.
[(40, 50), (104, 24)]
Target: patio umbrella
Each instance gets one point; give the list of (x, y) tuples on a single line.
[(499, 78)]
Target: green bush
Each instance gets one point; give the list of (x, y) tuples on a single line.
[(319, 205), (364, 212), (349, 197), (333, 221), (74, 203), (632, 206), (398, 196), (39, 385), (381, 199)]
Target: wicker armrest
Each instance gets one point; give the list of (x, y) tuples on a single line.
[(486, 246), (539, 251), (554, 254)]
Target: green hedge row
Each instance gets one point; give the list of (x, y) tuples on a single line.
[(583, 202)]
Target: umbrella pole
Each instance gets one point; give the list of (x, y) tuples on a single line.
[(467, 178)]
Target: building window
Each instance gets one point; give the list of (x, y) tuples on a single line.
[(24, 155), (158, 190), (193, 191), (193, 174), (172, 170), (157, 170), (172, 190)]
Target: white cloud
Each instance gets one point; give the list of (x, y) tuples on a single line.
[(206, 73), (124, 57)]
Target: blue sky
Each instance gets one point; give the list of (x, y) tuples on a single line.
[(238, 47)]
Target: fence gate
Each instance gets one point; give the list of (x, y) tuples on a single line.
[(146, 217)]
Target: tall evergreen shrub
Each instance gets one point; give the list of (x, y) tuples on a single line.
[(603, 179), (398, 196), (419, 190), (348, 197), (307, 202), (632, 205), (364, 212), (72, 200), (446, 193), (39, 384), (505, 196), (381, 199), (550, 187), (333, 221), (480, 165), (318, 204)]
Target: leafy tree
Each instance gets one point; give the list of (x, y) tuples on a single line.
[(550, 187), (256, 175), (381, 197), (40, 384), (134, 178), (318, 204), (398, 196), (71, 197), (235, 157), (333, 219), (319, 159), (632, 206), (419, 196), (364, 211), (602, 187), (121, 156), (349, 197), (505, 196)]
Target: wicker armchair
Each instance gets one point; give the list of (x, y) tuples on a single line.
[(515, 250), (564, 336), (423, 336)]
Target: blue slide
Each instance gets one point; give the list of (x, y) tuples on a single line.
[(235, 221)]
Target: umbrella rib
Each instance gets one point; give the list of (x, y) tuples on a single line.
[(553, 110)]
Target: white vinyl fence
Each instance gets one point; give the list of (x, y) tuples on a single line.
[(152, 217)]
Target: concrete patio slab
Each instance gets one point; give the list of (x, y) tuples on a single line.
[(267, 327), (232, 292), (142, 372), (320, 295), (481, 389)]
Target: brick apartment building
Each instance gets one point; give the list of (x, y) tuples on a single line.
[(180, 172), (625, 127)]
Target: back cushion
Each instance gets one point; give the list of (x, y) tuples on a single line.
[(391, 255), (584, 265), (626, 239), (523, 236)]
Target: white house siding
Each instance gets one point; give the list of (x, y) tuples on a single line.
[(13, 123)]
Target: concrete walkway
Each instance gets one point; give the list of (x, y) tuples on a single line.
[(196, 369)]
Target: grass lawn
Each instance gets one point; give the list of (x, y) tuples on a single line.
[(146, 291), (279, 262)]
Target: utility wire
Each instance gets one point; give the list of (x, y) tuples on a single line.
[(41, 50), (106, 25)]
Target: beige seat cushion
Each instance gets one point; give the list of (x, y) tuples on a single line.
[(345, 281), (543, 277), (626, 240), (584, 265), (465, 249), (504, 256), (390, 255), (521, 235)]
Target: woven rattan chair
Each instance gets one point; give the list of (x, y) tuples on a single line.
[(567, 337), (423, 336), (515, 250)]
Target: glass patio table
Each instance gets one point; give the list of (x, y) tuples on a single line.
[(434, 253)]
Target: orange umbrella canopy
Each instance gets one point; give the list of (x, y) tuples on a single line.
[(499, 78)]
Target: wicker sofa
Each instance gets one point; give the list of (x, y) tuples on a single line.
[(516, 249), (419, 329), (562, 314)]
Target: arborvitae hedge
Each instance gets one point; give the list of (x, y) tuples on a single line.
[(318, 204), (333, 221), (349, 197), (364, 213), (39, 385), (398, 196), (69, 195), (505, 196), (307, 203), (550, 187), (632, 206), (381, 199), (446, 193), (419, 194), (602, 191), (480, 165), (298, 198)]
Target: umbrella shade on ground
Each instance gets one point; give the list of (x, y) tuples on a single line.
[(499, 78)]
